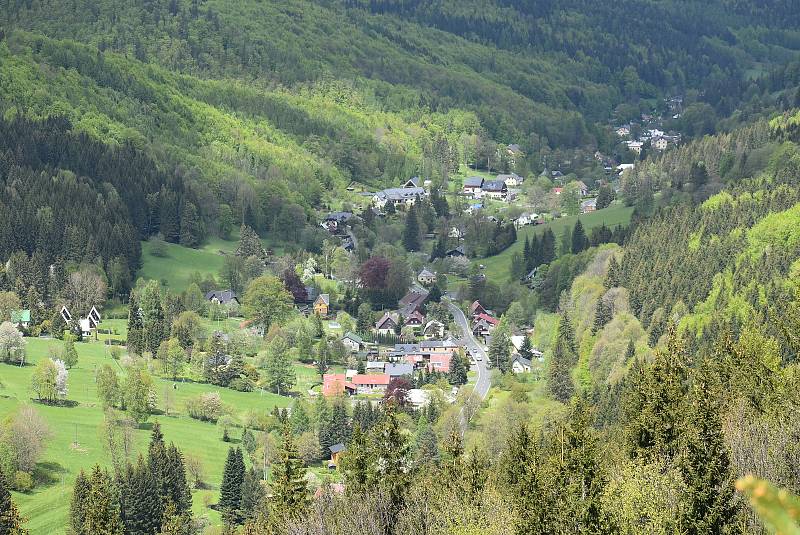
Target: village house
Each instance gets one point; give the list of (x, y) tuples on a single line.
[(336, 221), (557, 191), (398, 197), (336, 384), (512, 180), (526, 219), (387, 324), (582, 188), (413, 182), (412, 302), (353, 342), (336, 452), (369, 383), (623, 131), (374, 366), (520, 365), (433, 329), (416, 319), (494, 189), (589, 205), (473, 208), (635, 146), (87, 325), (21, 319), (398, 369), (659, 143), (457, 252), (222, 297), (472, 185), (476, 308), (426, 277), (456, 233), (322, 305)]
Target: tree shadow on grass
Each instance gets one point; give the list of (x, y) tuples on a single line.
[(48, 473)]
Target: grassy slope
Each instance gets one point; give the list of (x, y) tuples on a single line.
[(48, 506), (180, 262), (499, 266)]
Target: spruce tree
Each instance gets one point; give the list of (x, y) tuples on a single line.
[(134, 338), (411, 231), (289, 491), (705, 463), (426, 447), (500, 350), (355, 462), (252, 495), (102, 506), (579, 240), (602, 315), (230, 491), (140, 503), (559, 379), (548, 251), (10, 520), (613, 277), (391, 476), (174, 484), (157, 461), (77, 508), (458, 370), (521, 478), (526, 350)]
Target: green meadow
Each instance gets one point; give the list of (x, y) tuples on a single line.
[(498, 267), (77, 437)]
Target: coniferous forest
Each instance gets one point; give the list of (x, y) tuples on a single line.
[(305, 267)]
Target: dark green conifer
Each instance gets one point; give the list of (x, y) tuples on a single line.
[(77, 508), (10, 520)]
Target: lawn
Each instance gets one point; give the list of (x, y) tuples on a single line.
[(179, 263), (498, 267), (47, 506)]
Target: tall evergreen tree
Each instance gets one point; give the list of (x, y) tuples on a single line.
[(175, 489), (356, 461), (102, 506), (526, 350), (252, 495), (458, 370), (602, 315), (289, 492), (390, 473), (411, 231), (521, 478), (135, 327), (548, 247), (230, 491), (579, 240), (426, 449), (10, 520), (613, 277), (140, 502), (77, 508), (559, 379), (500, 350)]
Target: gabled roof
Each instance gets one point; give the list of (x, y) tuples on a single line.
[(458, 251), (415, 316), (339, 217), (473, 182), (494, 185), (20, 316), (426, 274), (413, 182), (400, 194), (222, 296), (522, 360), (514, 148), (354, 337), (371, 379), (337, 448), (476, 308), (488, 319), (385, 319), (323, 298), (512, 175)]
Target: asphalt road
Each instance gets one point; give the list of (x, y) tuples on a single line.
[(481, 388)]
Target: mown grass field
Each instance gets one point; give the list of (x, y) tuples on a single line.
[(47, 506), (498, 267), (180, 262)]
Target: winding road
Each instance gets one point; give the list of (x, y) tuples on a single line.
[(481, 388)]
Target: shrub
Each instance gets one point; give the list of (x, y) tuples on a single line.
[(23, 481), (207, 407)]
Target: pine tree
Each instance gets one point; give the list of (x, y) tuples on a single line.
[(230, 491), (135, 341), (602, 315), (191, 232), (102, 507), (77, 508), (140, 503), (356, 461), (548, 248), (458, 370), (526, 350), (705, 464), (559, 380), (157, 462), (252, 494), (391, 473), (411, 231), (289, 492), (500, 350), (299, 419), (654, 403), (613, 277), (579, 240), (426, 448), (521, 478), (10, 520), (250, 244), (174, 485), (526, 254)]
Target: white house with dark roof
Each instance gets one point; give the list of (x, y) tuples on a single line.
[(353, 342), (494, 189), (426, 277), (511, 180), (222, 297), (472, 185)]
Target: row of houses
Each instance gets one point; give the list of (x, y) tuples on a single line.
[(401, 361)]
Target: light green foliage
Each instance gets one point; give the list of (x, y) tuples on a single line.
[(777, 508), (776, 231)]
